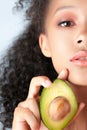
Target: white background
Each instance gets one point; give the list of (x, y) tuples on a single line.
[(11, 24)]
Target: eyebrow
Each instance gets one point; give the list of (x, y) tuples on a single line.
[(64, 7)]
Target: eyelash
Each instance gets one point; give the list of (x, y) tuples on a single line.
[(66, 23)]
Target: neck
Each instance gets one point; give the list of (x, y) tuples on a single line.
[(80, 92)]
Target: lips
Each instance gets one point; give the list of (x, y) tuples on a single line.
[(80, 58)]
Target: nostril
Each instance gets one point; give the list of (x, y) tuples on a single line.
[(79, 41)]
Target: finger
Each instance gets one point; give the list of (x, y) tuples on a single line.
[(81, 106), (23, 117), (64, 74), (35, 85), (32, 105), (43, 127)]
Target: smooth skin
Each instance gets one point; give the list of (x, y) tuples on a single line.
[(66, 25), (65, 36)]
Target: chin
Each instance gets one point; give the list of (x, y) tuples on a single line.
[(78, 81)]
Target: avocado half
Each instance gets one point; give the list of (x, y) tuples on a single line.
[(58, 105)]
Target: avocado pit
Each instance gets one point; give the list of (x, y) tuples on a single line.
[(59, 108)]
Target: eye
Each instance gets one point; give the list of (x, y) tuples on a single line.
[(66, 23)]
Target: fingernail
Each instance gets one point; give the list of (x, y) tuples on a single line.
[(47, 83), (62, 73)]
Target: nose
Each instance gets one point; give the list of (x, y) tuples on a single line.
[(81, 39), (81, 43)]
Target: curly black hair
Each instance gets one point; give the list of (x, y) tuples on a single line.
[(24, 60)]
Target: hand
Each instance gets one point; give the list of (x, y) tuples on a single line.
[(26, 115)]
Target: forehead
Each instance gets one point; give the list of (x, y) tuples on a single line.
[(54, 4), (58, 5)]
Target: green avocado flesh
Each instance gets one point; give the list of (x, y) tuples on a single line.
[(54, 102)]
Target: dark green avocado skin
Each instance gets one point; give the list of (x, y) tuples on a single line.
[(58, 88)]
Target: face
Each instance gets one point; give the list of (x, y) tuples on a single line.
[(65, 38)]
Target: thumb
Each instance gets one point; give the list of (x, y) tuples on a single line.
[(64, 74), (81, 106)]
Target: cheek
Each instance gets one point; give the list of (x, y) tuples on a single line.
[(60, 48), (61, 42), (60, 58)]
